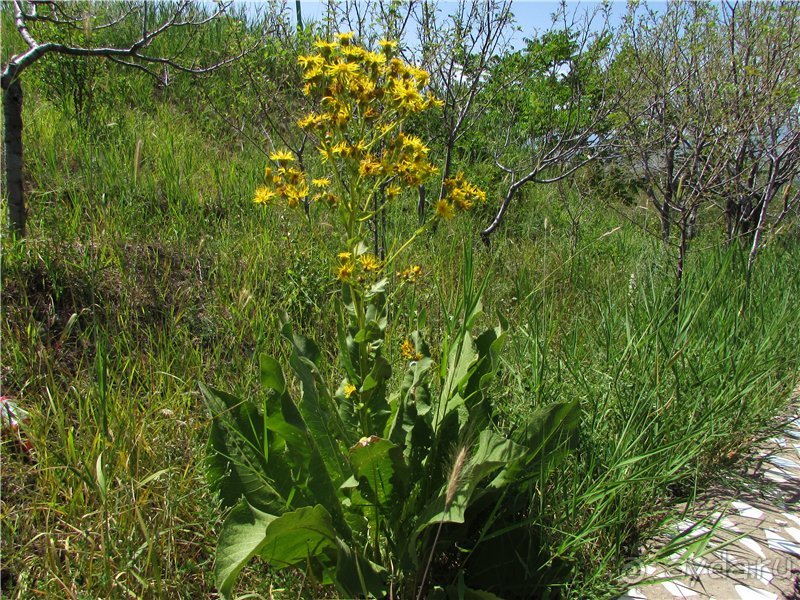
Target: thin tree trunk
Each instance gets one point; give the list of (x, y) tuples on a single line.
[(12, 115), (666, 222)]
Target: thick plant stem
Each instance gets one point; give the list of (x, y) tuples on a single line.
[(12, 150)]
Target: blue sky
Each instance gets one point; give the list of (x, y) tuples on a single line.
[(531, 15)]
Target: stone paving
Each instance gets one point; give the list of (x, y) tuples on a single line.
[(758, 530)]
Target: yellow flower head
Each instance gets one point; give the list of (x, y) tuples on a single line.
[(349, 389), (370, 263), (388, 46), (344, 257), (408, 351), (325, 47), (345, 271), (393, 191), (433, 101), (310, 61), (282, 157), (462, 193), (263, 195), (373, 60), (340, 149), (295, 193), (353, 53), (345, 38), (321, 182), (369, 166), (310, 121), (342, 69), (444, 209)]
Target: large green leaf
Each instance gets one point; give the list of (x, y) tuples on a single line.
[(242, 537), (380, 469), (317, 408), (492, 452), (373, 394), (460, 360), (296, 536), (238, 456), (489, 345), (272, 374)]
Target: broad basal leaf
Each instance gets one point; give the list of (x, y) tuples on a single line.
[(242, 537)]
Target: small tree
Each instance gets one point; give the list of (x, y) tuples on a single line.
[(670, 123), (760, 49), (551, 104), (134, 30)]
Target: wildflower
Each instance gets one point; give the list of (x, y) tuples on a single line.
[(310, 61), (393, 191), (344, 257), (349, 389), (342, 69), (294, 194), (408, 351), (370, 263), (373, 60), (345, 271), (357, 149), (340, 149), (462, 193), (406, 96), (321, 182), (432, 101), (444, 209), (342, 115), (263, 195), (282, 157), (388, 46), (310, 121), (325, 47), (353, 53), (345, 38), (369, 166), (411, 274), (413, 144), (312, 73)]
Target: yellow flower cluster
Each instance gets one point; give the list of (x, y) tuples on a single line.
[(411, 274), (286, 183), (362, 99), (408, 351), (356, 87), (460, 195), (351, 81), (351, 268)]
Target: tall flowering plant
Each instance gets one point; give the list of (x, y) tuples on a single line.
[(358, 486)]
